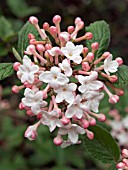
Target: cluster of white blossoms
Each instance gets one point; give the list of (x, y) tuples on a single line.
[(64, 82), (119, 128)]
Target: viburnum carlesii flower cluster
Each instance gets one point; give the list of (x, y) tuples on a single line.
[(123, 165), (61, 81)]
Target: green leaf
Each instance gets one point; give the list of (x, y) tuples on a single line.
[(6, 30), (122, 75), (101, 34), (103, 147), (3, 50), (112, 167), (16, 54), (6, 70), (23, 41), (21, 9)]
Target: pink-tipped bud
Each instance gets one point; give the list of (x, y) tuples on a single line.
[(40, 48), (120, 165), (90, 57), (113, 78), (15, 89), (79, 25), (16, 66), (77, 20), (21, 106), (27, 85), (29, 112), (119, 60), (33, 20), (58, 140), (56, 19), (92, 121), (113, 99), (125, 153), (31, 133), (53, 30), (31, 36), (48, 46), (102, 117), (95, 46), (65, 120), (32, 41), (85, 66), (46, 26), (106, 54), (30, 49), (85, 123), (71, 29), (85, 51), (64, 36), (88, 35), (119, 92), (90, 134), (125, 161), (39, 116)]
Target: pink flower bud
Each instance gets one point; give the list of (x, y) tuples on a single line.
[(58, 140), (95, 46), (77, 20), (92, 121), (21, 106), (119, 92), (71, 29), (106, 54), (64, 36), (15, 89), (101, 117), (65, 120), (85, 123), (32, 41), (85, 51), (90, 134), (113, 99), (27, 85), (90, 57), (39, 116), (56, 19), (31, 48), (125, 153), (16, 66), (29, 112), (120, 165), (48, 46), (31, 36), (31, 133), (85, 66), (113, 78), (88, 35), (119, 60), (33, 20), (53, 30), (40, 48), (125, 161), (46, 26), (79, 25)]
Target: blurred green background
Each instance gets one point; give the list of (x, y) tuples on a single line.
[(16, 152)]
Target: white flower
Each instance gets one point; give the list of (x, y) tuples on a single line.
[(51, 120), (68, 143), (65, 66), (34, 100), (72, 52), (110, 66), (55, 51), (75, 108), (65, 92), (54, 77), (122, 138), (93, 103), (27, 70), (72, 130), (89, 82)]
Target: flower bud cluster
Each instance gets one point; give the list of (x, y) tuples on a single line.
[(123, 165), (61, 81)]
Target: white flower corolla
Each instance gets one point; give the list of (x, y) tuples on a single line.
[(68, 143), (93, 102), (27, 70), (51, 120), (116, 125), (125, 122), (72, 52), (72, 130), (75, 108), (122, 138), (65, 92), (65, 66), (110, 66), (89, 82), (54, 77), (34, 100), (54, 51)]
